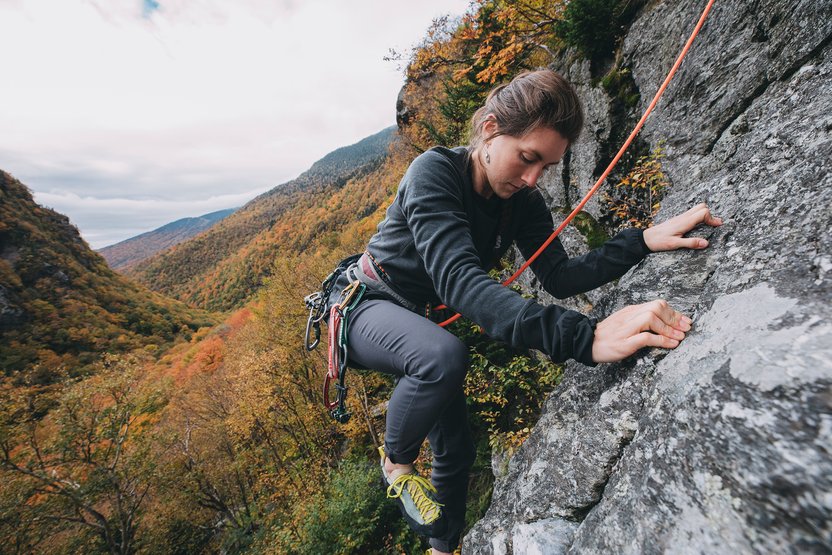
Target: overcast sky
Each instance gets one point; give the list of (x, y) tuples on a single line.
[(128, 114)]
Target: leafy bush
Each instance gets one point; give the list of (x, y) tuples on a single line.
[(592, 231), (619, 84), (353, 515), (636, 199), (506, 387)]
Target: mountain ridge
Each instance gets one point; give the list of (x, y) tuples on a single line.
[(135, 249)]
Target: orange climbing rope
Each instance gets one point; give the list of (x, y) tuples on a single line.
[(612, 164)]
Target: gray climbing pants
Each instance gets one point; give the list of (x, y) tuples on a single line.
[(427, 402)]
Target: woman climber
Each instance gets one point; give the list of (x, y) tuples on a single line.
[(456, 213)]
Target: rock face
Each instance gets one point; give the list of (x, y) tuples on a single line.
[(723, 445)]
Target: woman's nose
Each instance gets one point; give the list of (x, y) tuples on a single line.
[(531, 176)]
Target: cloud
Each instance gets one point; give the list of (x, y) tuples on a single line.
[(104, 218), (161, 105)]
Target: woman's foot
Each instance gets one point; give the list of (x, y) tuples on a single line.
[(416, 497), (394, 470)]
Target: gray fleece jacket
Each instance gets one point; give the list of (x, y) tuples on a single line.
[(439, 239)]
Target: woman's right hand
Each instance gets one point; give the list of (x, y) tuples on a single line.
[(634, 327)]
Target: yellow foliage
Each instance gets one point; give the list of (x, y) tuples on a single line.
[(636, 199)]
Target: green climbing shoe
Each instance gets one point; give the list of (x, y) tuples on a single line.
[(417, 500)]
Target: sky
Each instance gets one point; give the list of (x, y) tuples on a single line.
[(129, 114)]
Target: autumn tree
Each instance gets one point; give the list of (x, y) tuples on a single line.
[(212, 471), (459, 61), (505, 36), (85, 467)]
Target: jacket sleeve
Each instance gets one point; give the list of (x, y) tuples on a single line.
[(562, 276), (433, 204)]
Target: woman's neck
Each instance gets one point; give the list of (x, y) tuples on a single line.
[(478, 177)]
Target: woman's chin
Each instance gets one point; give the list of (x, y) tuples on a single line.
[(508, 191)]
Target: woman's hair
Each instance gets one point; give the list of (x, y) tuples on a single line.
[(532, 99)]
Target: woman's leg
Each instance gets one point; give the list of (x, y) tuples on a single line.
[(430, 362), (453, 455), (428, 401)]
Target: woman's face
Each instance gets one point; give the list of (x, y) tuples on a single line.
[(518, 162)]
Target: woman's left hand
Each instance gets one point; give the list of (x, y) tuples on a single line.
[(668, 236)]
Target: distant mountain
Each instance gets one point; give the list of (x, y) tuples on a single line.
[(61, 306), (221, 268), (136, 249)]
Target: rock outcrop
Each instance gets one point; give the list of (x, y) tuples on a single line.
[(723, 445)]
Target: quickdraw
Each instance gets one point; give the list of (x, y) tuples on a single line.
[(339, 316), (316, 303)]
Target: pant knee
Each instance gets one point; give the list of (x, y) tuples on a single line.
[(448, 360)]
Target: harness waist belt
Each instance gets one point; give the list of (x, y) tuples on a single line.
[(370, 274)]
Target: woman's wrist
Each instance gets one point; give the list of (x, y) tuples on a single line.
[(642, 237)]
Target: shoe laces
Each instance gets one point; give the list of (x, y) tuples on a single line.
[(416, 486)]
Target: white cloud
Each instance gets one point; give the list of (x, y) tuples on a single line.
[(193, 100), (109, 218)]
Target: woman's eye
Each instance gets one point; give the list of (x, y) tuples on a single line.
[(525, 159)]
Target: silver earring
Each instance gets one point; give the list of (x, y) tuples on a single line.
[(487, 156)]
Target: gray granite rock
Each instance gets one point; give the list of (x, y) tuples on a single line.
[(723, 445)]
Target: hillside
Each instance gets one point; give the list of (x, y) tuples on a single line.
[(259, 442), (134, 250), (221, 268), (60, 304)]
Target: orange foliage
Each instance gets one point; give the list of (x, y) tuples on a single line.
[(505, 34), (450, 73), (210, 354), (238, 319)]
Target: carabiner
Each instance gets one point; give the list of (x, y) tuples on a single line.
[(312, 323)]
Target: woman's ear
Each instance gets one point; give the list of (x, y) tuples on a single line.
[(490, 126)]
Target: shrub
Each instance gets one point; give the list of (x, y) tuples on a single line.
[(592, 231), (619, 84), (506, 387), (353, 515), (636, 199)]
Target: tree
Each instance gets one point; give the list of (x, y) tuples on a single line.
[(86, 465), (451, 72)]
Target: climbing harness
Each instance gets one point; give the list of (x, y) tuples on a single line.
[(611, 165), (317, 304)]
